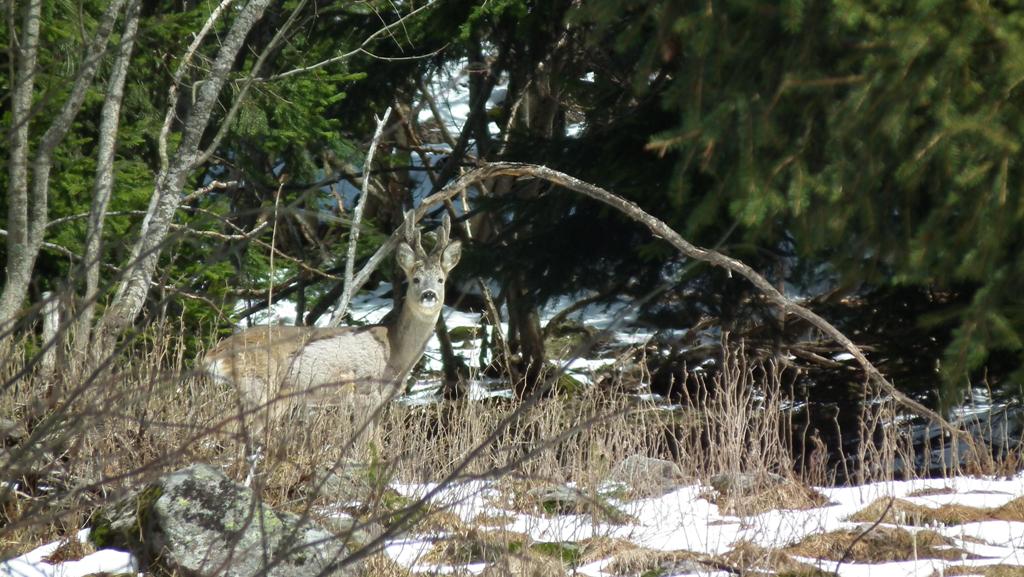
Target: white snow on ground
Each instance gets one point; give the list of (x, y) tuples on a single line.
[(33, 564), (683, 520), (680, 520)]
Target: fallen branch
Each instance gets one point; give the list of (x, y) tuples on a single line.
[(864, 533), (661, 230)]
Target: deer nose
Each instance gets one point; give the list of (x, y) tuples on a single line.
[(428, 297)]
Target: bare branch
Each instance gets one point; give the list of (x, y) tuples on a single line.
[(247, 83), (75, 257), (357, 218), (403, 58), (663, 231), (351, 53), (250, 235), (212, 186), (428, 97), (715, 258), (225, 237), (183, 66)]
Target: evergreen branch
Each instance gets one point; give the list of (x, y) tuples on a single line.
[(179, 74), (72, 255), (351, 53), (198, 193), (250, 235), (236, 104)]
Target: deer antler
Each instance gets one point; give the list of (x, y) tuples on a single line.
[(412, 234), (443, 233)]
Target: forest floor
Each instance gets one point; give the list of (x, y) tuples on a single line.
[(955, 526), (599, 481)]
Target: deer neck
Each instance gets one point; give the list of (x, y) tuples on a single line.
[(408, 336)]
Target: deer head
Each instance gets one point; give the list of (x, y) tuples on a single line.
[(427, 273)]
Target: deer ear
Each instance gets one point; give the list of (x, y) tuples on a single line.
[(450, 256), (406, 257)]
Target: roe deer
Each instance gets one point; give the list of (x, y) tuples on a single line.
[(278, 367)]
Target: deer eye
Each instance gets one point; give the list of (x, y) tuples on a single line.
[(440, 280), (415, 280)]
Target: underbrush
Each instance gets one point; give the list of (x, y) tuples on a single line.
[(76, 441)]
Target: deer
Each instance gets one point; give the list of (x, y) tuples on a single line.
[(275, 368)]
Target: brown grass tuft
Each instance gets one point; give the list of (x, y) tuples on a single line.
[(526, 564), (1012, 511), (786, 495), (653, 562), (597, 548), (929, 491), (881, 544), (746, 558), (906, 513), (380, 565), (985, 570), (477, 546), (70, 549)]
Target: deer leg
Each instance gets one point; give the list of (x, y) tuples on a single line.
[(365, 421)]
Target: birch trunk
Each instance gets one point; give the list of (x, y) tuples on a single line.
[(26, 47), (103, 187), (28, 200), (131, 292)]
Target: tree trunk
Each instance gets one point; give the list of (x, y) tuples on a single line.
[(27, 215), (19, 269), (522, 314), (131, 292), (104, 185), (453, 366)]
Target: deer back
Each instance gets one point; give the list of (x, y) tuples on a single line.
[(310, 364)]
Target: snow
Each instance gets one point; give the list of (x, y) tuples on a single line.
[(680, 520), (33, 564), (684, 520)]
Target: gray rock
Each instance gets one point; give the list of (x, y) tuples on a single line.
[(351, 484), (197, 522), (647, 476), (564, 500), (739, 484), (559, 499), (12, 431), (357, 534)]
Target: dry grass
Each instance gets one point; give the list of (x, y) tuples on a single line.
[(746, 558), (985, 570), (71, 548), (879, 545), (906, 513), (477, 546), (788, 494), (380, 565), (929, 491), (94, 436), (652, 562)]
